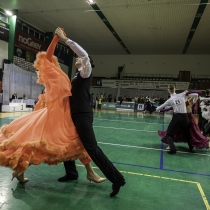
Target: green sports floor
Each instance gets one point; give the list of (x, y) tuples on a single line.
[(155, 179)]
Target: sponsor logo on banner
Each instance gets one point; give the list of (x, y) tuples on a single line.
[(125, 105), (140, 107), (29, 43), (108, 105), (98, 82), (19, 52)]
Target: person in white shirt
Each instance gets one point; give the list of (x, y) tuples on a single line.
[(205, 109), (180, 117), (203, 103)]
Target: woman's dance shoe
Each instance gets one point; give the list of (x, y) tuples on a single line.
[(20, 177), (95, 178)]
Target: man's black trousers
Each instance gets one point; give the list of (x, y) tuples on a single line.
[(178, 120), (83, 123)]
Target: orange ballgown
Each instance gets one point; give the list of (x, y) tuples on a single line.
[(47, 134)]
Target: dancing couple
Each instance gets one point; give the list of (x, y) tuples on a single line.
[(55, 133), (182, 119)]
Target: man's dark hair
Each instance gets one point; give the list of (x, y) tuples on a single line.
[(91, 62)]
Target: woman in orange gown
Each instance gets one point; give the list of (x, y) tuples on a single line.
[(47, 134)]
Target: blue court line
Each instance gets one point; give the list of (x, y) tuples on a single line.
[(150, 167), (161, 152)]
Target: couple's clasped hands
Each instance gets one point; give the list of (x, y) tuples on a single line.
[(62, 35)]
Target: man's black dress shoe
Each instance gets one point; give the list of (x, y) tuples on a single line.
[(172, 152), (191, 148), (116, 187), (67, 178)]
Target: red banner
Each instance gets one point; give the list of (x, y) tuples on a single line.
[(29, 43)]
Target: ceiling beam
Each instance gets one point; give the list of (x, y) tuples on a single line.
[(194, 26), (109, 26)]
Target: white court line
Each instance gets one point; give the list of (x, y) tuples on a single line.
[(121, 145), (127, 129), (131, 121), (95, 117)]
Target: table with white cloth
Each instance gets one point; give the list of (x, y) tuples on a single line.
[(28, 102)]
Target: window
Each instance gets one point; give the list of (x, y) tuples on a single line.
[(25, 29), (42, 38), (36, 35), (19, 26), (31, 32)]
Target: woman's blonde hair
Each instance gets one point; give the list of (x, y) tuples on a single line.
[(171, 88)]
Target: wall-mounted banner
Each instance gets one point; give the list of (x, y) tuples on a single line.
[(125, 106), (161, 85), (26, 55), (4, 31), (108, 106), (29, 43)]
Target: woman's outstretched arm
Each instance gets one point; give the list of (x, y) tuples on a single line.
[(86, 67), (51, 48)]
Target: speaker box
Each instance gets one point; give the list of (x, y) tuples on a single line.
[(6, 61), (120, 69), (184, 76)]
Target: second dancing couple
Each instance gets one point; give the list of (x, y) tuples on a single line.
[(183, 126)]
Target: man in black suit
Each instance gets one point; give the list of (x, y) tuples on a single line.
[(82, 116), (14, 96)]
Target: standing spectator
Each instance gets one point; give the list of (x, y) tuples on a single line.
[(202, 121), (96, 104), (92, 100), (141, 99), (101, 96), (136, 99), (120, 99), (99, 103), (161, 101), (104, 98), (115, 100), (110, 98)]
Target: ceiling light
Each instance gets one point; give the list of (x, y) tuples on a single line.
[(9, 13), (91, 2)]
